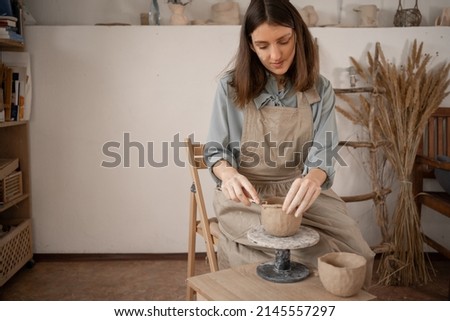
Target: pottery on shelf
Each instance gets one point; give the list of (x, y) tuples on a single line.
[(309, 16), (342, 273), (225, 13), (178, 17), (444, 18), (410, 17), (368, 15), (276, 222), (154, 14)]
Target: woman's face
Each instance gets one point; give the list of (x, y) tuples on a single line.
[(275, 47)]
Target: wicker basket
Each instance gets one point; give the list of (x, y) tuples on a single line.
[(407, 17), (11, 187), (15, 247)]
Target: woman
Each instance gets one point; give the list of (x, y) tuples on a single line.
[(273, 133)]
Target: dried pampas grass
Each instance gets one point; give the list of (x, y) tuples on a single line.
[(396, 113)]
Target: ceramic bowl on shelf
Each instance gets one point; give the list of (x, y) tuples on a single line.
[(442, 175), (275, 221), (342, 273)]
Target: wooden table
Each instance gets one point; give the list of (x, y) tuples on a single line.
[(243, 284)]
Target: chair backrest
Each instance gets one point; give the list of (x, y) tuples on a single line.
[(195, 151), (436, 138), (198, 208)]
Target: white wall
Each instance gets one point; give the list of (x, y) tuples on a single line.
[(90, 12), (93, 84)]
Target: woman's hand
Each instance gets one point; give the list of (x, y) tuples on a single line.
[(235, 186), (303, 192)]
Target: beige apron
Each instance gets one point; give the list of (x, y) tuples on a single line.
[(289, 132)]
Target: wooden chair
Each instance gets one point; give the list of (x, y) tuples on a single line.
[(436, 141), (199, 222)]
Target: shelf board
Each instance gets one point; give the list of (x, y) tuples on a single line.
[(4, 207), (11, 45), (13, 123)]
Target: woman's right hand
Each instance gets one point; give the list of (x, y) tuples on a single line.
[(235, 186)]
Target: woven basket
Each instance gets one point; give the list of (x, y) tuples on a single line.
[(15, 248), (407, 17)]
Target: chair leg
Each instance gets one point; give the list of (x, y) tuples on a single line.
[(191, 244)]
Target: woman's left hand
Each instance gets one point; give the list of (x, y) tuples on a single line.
[(303, 192)]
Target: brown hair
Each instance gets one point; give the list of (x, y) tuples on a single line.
[(249, 75)]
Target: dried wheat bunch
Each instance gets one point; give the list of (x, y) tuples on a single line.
[(404, 98)]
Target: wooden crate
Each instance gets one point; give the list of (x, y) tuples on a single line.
[(11, 187), (15, 247), (7, 166)]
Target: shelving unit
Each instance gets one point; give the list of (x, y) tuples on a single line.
[(16, 248)]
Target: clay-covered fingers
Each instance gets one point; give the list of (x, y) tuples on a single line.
[(307, 201), (301, 196), (289, 202), (239, 189)]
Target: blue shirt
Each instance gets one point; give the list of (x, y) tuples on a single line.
[(227, 121)]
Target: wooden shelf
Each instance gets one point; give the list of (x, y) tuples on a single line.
[(4, 207), (11, 45), (16, 246), (13, 123)]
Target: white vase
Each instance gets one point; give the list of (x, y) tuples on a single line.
[(178, 17)]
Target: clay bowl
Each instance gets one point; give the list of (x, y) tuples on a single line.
[(275, 221), (341, 273)]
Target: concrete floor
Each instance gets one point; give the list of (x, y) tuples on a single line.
[(160, 278)]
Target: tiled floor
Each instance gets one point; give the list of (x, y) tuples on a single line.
[(155, 279)]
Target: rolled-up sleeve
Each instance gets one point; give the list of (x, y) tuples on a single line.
[(325, 142)]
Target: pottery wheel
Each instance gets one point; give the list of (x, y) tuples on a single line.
[(283, 270), (305, 237)]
